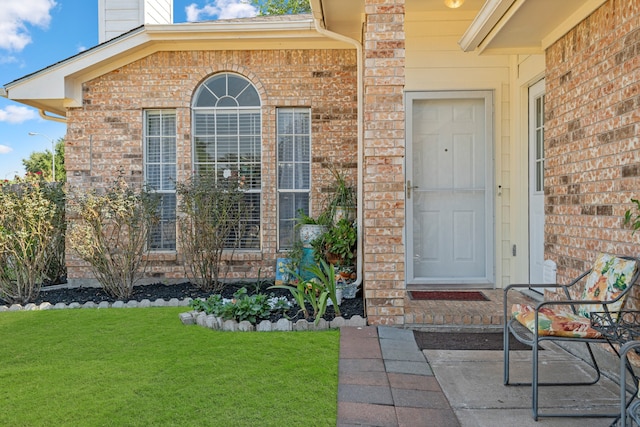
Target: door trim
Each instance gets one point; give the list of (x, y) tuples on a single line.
[(490, 260)]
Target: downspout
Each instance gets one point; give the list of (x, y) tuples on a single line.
[(319, 26)]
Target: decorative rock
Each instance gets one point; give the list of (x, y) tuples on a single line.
[(30, 307), (187, 319), (264, 326), (43, 306), (230, 325), (357, 321), (283, 325), (201, 319), (321, 325), (301, 325), (210, 322), (144, 303), (4, 308), (103, 304), (118, 304), (174, 302), (246, 326), (60, 306), (186, 302), (337, 323), (132, 304), (220, 322), (74, 305), (15, 307), (159, 303), (89, 304)]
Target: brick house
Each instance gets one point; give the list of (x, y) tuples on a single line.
[(484, 139)]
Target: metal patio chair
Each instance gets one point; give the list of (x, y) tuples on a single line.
[(606, 286)]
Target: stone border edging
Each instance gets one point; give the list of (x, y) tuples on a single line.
[(210, 321), (173, 302)]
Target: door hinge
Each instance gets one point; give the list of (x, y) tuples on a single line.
[(513, 250)]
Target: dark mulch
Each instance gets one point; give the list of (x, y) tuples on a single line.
[(348, 308), (465, 341)]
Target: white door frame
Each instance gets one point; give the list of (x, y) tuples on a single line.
[(489, 280)]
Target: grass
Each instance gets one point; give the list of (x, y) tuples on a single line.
[(142, 367)]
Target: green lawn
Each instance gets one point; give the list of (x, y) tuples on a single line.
[(129, 367)]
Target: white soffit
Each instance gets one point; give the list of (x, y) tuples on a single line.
[(340, 16), (524, 26)]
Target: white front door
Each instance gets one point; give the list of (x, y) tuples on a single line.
[(449, 188), (536, 183)]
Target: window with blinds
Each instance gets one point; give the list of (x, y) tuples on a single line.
[(227, 139), (160, 174), (294, 169)]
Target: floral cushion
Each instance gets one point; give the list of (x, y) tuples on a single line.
[(556, 322), (609, 277)]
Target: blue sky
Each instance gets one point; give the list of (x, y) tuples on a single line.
[(37, 33)]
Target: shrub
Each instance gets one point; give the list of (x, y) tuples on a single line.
[(30, 236), (210, 222), (111, 234), (252, 308)]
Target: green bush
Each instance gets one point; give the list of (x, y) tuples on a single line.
[(252, 308), (111, 234), (31, 235)]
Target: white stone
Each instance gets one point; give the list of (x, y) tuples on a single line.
[(201, 319), (283, 325), (4, 308), (264, 326), (210, 322), (301, 325), (30, 307), (74, 305), (103, 304), (337, 323), (246, 326), (144, 303), (89, 304), (159, 303), (15, 307), (45, 306), (185, 302), (230, 325), (60, 306), (132, 304), (186, 319), (174, 302), (357, 321), (118, 304), (321, 325)]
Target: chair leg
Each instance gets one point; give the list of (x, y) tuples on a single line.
[(534, 381), (505, 350)]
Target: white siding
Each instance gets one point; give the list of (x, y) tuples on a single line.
[(116, 17)]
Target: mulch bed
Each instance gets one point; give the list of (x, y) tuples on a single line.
[(348, 308)]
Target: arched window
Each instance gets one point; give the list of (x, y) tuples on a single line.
[(227, 141)]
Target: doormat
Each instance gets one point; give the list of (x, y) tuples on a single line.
[(465, 341), (448, 295)]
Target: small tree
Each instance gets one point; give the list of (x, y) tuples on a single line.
[(111, 235), (210, 221), (30, 235), (281, 7), (40, 162)]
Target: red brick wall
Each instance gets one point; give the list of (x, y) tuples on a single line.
[(384, 149), (105, 135), (592, 146)]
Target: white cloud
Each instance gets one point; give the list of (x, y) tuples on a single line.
[(220, 9), (14, 34), (14, 114), (4, 149)]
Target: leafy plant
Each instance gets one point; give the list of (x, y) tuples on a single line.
[(212, 211), (303, 218), (631, 218), (340, 241), (326, 275), (252, 308), (31, 232), (299, 294), (111, 234), (343, 195)]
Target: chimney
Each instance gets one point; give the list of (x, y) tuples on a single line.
[(116, 17)]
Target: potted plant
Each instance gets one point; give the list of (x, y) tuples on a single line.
[(343, 201), (338, 244), (310, 228)]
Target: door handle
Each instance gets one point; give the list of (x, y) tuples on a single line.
[(409, 188)]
